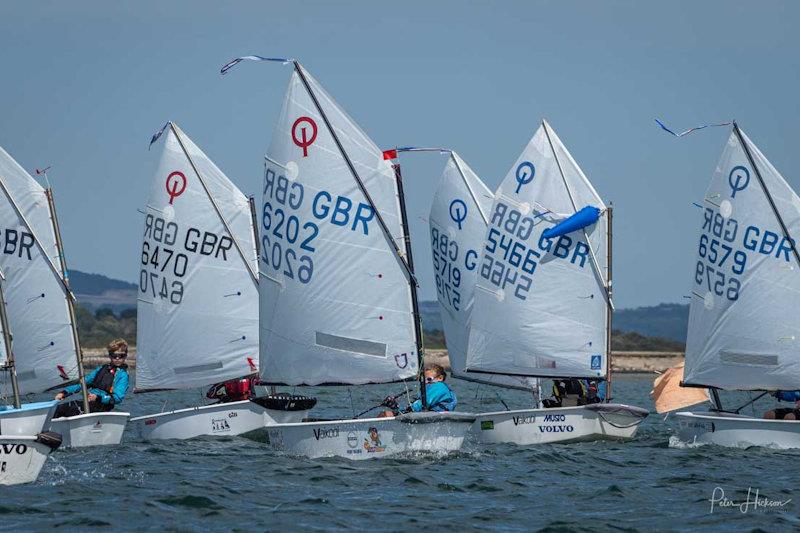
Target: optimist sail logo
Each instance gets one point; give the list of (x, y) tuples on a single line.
[(176, 184), (738, 179), (304, 140)]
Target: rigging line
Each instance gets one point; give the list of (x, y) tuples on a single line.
[(36, 239), (384, 228), (350, 393), (775, 211), (253, 274), (458, 167), (595, 264)]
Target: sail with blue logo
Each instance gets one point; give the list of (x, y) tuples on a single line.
[(198, 287), (744, 331), (458, 219), (336, 305), (541, 304), (34, 288)]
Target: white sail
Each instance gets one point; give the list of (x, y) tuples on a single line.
[(458, 220), (36, 297), (335, 300), (744, 331), (540, 303), (198, 296)]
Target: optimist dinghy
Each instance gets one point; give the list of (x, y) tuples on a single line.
[(40, 311), (22, 458), (541, 305), (198, 301), (744, 333), (337, 287)]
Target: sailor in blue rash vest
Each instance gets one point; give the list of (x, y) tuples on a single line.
[(785, 413), (107, 384), (439, 396)]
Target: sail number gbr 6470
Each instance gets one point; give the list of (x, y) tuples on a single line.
[(164, 264)]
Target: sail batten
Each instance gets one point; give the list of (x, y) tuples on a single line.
[(330, 227), (740, 336), (198, 297), (541, 302)]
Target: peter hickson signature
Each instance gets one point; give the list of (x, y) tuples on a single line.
[(753, 501)]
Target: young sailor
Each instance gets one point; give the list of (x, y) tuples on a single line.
[(567, 393), (234, 390), (107, 384), (785, 413), (438, 395)]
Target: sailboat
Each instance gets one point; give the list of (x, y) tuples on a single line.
[(198, 303), (337, 286), (41, 305), (21, 456), (458, 221), (542, 298), (743, 332), (34, 294)]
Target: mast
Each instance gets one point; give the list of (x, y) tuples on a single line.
[(254, 218), (70, 299), (7, 341), (412, 285), (609, 311)]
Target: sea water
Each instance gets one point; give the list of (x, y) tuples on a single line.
[(234, 483)]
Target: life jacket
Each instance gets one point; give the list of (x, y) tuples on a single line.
[(232, 390), (566, 393), (563, 387), (104, 379), (593, 394)]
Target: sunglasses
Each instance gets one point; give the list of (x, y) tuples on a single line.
[(430, 380), (117, 355)]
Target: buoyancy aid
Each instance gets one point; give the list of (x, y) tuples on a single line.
[(104, 379)]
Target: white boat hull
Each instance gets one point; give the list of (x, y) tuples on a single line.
[(233, 418), (29, 419), (93, 429), (736, 431), (565, 424), (21, 459), (354, 439)]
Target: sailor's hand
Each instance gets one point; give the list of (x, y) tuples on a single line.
[(60, 396), (390, 402), (92, 397)]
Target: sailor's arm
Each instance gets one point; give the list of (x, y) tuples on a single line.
[(72, 389)]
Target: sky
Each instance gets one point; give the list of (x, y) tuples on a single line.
[(85, 84)]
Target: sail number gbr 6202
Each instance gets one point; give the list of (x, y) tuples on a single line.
[(165, 256)]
